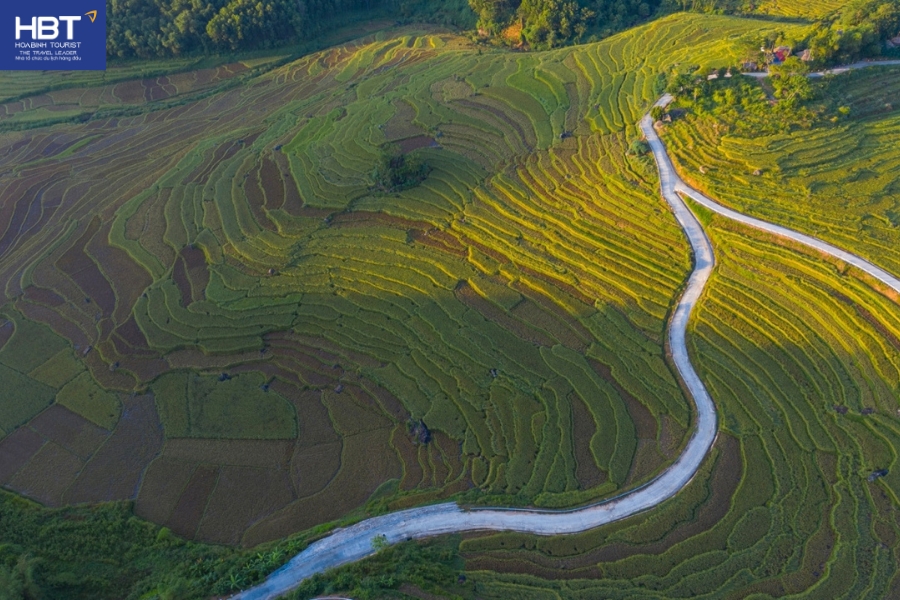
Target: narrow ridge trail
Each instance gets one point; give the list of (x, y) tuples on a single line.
[(349, 544)]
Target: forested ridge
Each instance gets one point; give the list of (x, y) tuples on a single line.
[(149, 28)]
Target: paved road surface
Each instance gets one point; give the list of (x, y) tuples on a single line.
[(838, 70), (353, 543)]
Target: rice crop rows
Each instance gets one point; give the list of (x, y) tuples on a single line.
[(803, 362), (250, 318), (836, 181)]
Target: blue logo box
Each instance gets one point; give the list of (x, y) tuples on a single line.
[(59, 35)]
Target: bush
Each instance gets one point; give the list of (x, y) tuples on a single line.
[(396, 172), (639, 148)]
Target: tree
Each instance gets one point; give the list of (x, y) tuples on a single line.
[(790, 81)]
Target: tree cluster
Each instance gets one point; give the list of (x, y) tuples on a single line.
[(154, 28), (395, 172), (859, 31), (549, 23)]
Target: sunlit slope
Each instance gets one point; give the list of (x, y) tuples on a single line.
[(798, 9), (291, 331), (837, 181), (803, 361)]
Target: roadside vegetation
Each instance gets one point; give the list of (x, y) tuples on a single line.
[(824, 166)]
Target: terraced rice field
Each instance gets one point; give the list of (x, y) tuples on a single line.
[(836, 181), (227, 301), (798, 9), (803, 363), (261, 336)]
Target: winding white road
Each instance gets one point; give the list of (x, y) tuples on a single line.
[(838, 70), (352, 543), (349, 544)]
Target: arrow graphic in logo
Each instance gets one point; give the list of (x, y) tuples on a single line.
[(92, 14)]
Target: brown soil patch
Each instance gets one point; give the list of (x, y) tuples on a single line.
[(293, 202), (223, 152), (163, 485), (85, 273), (71, 431), (132, 335), (42, 296), (130, 92), (408, 452), (16, 210), (242, 496), (115, 470), (127, 277), (16, 449), (61, 326), (47, 475), (439, 240), (153, 90), (197, 271), (645, 426), (256, 200), (587, 472), (246, 453), (188, 511), (440, 469), (272, 183), (547, 319), (367, 462), (313, 467), (179, 276), (414, 143), (452, 453), (389, 403), (490, 311)]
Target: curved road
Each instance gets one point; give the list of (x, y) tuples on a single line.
[(352, 543), (349, 544)]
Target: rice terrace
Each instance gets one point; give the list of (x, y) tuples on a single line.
[(420, 300)]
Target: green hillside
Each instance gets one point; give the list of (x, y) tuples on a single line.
[(241, 328)]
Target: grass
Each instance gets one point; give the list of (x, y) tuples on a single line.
[(238, 407), (82, 395)]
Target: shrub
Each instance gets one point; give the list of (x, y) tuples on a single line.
[(639, 148), (396, 172)]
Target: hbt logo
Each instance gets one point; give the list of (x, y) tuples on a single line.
[(47, 28)]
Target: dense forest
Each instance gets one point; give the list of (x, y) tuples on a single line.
[(547, 23), (860, 30), (149, 28)]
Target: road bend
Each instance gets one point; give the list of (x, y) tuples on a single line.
[(350, 544)]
